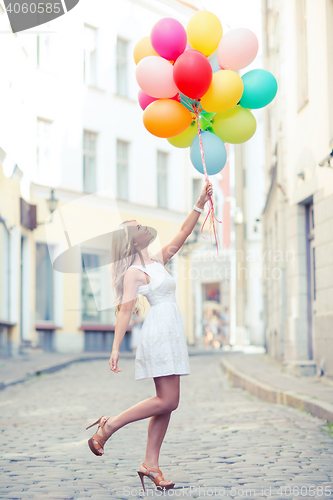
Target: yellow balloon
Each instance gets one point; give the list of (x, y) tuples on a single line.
[(204, 32), (185, 139), (224, 92), (234, 126), (143, 49)]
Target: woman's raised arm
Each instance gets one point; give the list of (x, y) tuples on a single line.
[(172, 248)]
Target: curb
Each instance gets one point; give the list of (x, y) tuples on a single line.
[(270, 394)]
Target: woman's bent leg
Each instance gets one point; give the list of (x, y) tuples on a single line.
[(165, 401)]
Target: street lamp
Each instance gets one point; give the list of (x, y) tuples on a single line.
[(52, 203), (326, 162)]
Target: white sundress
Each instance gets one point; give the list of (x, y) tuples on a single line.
[(162, 347)]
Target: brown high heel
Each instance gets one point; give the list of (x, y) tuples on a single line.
[(156, 480), (97, 437)]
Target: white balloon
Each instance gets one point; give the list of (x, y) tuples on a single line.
[(154, 75), (237, 49)]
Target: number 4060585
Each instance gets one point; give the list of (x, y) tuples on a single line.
[(39, 7)]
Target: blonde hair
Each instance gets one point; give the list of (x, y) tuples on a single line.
[(122, 256)]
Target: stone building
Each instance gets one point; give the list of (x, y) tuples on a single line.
[(298, 213)]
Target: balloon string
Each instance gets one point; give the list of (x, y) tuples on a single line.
[(211, 212)]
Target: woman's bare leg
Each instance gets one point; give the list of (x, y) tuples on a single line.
[(159, 423), (165, 401), (157, 429)]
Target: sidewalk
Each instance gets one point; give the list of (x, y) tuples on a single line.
[(14, 370), (264, 377)]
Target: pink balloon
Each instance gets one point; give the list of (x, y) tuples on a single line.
[(155, 77), (168, 38), (145, 99), (237, 49)]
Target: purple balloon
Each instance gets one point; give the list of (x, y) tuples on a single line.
[(168, 38)]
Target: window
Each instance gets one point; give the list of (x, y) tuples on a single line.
[(43, 47), (196, 190), (43, 152), (89, 161), (302, 53), (94, 289), (44, 284), (122, 169), (122, 67), (90, 56), (4, 273), (162, 179), (314, 272)]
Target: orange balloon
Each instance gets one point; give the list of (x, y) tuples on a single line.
[(143, 49), (166, 118)]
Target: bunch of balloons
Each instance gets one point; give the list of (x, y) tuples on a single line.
[(190, 90)]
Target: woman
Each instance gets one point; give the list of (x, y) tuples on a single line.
[(162, 351)]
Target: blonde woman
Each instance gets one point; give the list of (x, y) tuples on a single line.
[(162, 351)]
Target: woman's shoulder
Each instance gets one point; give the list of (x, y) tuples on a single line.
[(158, 257)]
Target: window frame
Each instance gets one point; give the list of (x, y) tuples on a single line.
[(50, 268), (162, 171), (104, 316), (41, 170), (87, 153), (89, 69), (122, 62), (302, 67), (122, 163)]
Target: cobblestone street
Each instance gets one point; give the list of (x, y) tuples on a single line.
[(221, 442)]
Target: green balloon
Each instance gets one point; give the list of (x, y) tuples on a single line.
[(260, 88), (207, 115), (205, 120), (185, 139), (234, 126), (204, 123)]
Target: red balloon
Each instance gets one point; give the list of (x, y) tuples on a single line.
[(192, 73)]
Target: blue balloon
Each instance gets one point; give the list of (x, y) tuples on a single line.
[(213, 61), (260, 88), (214, 151)]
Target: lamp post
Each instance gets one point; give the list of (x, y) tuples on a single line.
[(52, 203)]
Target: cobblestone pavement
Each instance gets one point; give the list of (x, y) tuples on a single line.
[(221, 442)]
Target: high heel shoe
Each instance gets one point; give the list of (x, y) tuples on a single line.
[(156, 480), (97, 437)]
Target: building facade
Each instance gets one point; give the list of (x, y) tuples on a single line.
[(298, 213), (70, 103)]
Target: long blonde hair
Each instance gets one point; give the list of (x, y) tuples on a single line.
[(122, 256)]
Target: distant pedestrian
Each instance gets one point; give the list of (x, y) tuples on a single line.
[(224, 321)]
